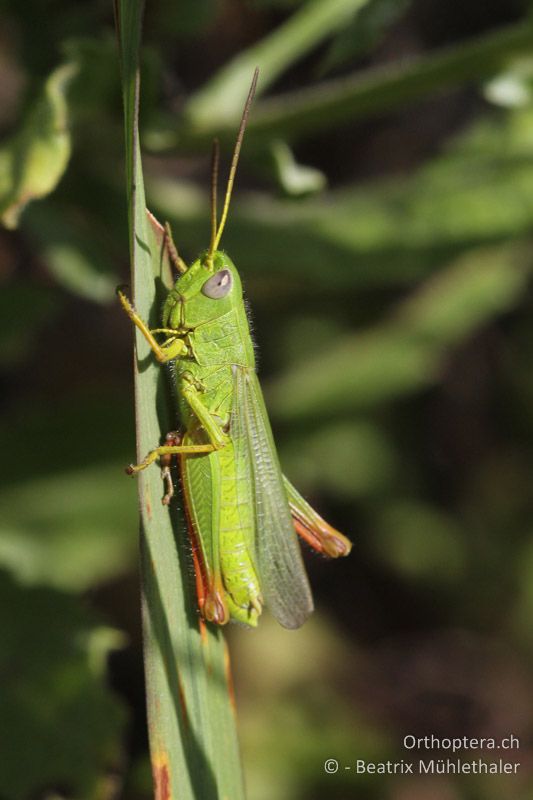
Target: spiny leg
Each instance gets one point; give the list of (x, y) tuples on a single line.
[(172, 449), (173, 441), (217, 438), (310, 526)]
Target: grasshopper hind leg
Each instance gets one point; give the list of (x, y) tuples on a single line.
[(173, 438), (173, 447), (310, 526)]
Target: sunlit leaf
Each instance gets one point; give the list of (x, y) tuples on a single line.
[(34, 160), (220, 100), (295, 179), (512, 88), (214, 110)]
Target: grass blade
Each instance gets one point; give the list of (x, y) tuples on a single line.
[(219, 101), (192, 734), (406, 353), (356, 96), (386, 88)]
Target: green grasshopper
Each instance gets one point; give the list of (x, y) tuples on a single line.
[(242, 511)]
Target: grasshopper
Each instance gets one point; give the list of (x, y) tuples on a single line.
[(243, 513)]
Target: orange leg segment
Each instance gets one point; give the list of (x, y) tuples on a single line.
[(312, 528)]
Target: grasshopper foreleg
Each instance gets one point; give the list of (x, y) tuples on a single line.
[(169, 350)]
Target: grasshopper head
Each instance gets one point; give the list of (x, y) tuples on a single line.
[(209, 289), (211, 286)]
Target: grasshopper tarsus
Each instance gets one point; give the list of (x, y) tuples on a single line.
[(215, 609), (121, 289), (166, 475)]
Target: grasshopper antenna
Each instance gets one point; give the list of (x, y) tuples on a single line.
[(215, 159), (215, 241)]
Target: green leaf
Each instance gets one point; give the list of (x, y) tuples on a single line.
[(478, 191), (384, 88), (80, 533), (512, 88), (191, 721), (34, 160), (295, 179), (219, 102), (406, 352), (73, 524), (333, 102), (59, 724)]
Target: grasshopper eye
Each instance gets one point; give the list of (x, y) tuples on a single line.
[(218, 285)]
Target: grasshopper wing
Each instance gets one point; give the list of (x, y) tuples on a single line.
[(282, 574)]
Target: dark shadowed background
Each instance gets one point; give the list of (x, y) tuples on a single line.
[(386, 252)]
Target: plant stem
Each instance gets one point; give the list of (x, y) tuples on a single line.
[(193, 742)]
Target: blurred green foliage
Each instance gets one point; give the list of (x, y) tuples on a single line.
[(392, 312), (36, 157), (59, 725)]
